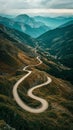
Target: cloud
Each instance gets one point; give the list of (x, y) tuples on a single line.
[(50, 12), (23, 4), (10, 5), (62, 4)]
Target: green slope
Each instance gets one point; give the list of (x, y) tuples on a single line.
[(59, 93), (59, 43)]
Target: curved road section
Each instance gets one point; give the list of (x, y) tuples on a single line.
[(44, 103)]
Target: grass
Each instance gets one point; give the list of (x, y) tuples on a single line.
[(58, 116)]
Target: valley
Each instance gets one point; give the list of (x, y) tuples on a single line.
[(36, 82)]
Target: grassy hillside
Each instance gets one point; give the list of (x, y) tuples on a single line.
[(13, 54), (18, 35), (59, 43), (55, 67), (58, 94), (4, 126), (9, 53), (18, 39)]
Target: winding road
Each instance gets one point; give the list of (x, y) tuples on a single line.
[(44, 103)]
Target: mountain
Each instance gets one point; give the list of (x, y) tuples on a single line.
[(9, 53), (6, 21), (19, 36), (37, 31), (34, 26), (67, 24), (59, 43), (13, 53), (14, 56), (25, 24), (30, 26), (27, 20), (23, 18), (33, 30), (53, 22)]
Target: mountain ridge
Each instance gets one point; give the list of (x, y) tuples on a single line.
[(58, 40), (26, 25), (15, 55)]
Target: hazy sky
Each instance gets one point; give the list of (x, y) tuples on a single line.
[(36, 6)]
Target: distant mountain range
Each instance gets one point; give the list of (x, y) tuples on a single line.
[(53, 22), (33, 26), (30, 26), (25, 24)]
